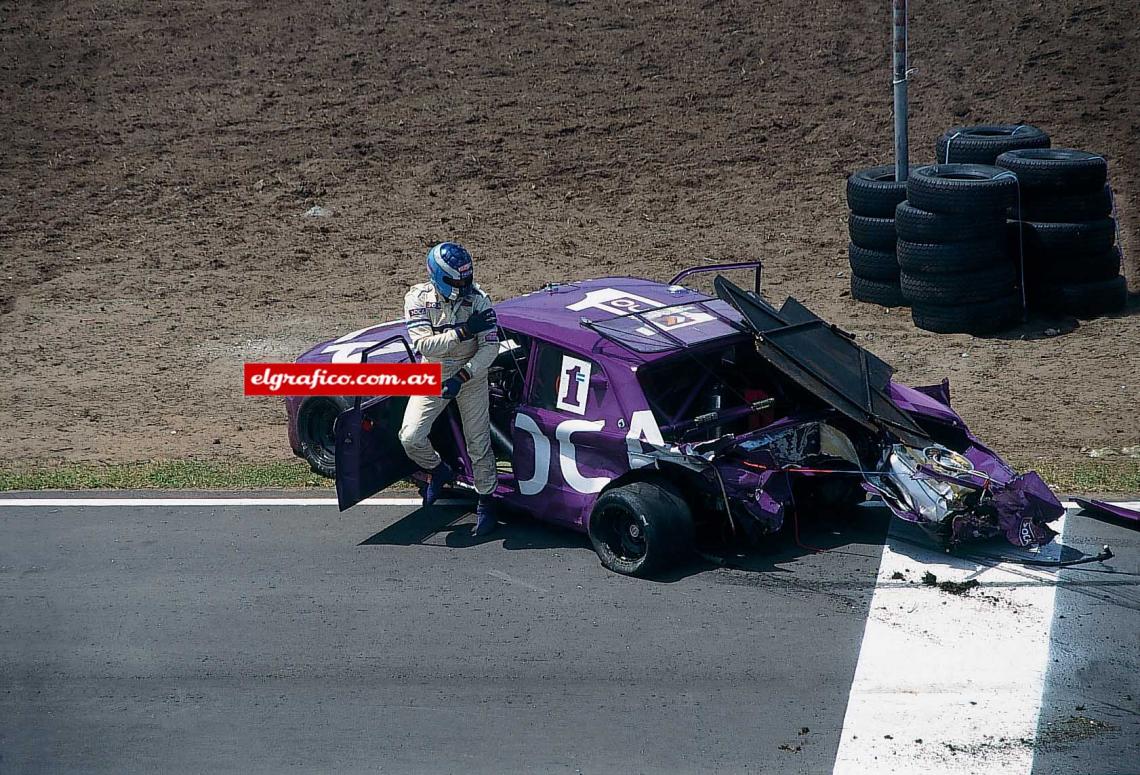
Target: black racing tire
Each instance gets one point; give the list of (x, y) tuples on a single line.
[(315, 421), (1068, 208), (962, 288), (641, 529), (874, 192), (915, 225), (1084, 300), (1069, 269), (885, 293), (873, 264), (982, 144), (985, 317), (961, 188), (872, 233), (934, 258), (1044, 239), (1056, 170)]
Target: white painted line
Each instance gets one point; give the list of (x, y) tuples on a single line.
[(129, 502), (511, 580), (962, 674), (254, 501)]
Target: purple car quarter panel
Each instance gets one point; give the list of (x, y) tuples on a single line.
[(569, 437)]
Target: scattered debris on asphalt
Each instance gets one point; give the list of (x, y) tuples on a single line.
[(1064, 732), (958, 587), (950, 587)]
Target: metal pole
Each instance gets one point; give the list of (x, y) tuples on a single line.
[(902, 152)]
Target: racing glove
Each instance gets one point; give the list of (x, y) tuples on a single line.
[(451, 386), (481, 321)]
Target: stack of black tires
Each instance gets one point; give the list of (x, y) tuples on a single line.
[(1063, 228), (941, 243), (872, 195), (957, 272)]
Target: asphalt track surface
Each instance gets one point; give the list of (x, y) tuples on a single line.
[(269, 638)]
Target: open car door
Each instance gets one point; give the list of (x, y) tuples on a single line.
[(825, 361), (369, 455)]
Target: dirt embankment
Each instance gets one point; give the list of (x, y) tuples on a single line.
[(159, 157)]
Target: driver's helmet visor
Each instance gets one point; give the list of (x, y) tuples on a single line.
[(464, 284)]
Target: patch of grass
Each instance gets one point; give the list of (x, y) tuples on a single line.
[(1114, 475), (166, 475)]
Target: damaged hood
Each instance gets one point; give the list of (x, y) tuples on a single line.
[(958, 495), (825, 361)]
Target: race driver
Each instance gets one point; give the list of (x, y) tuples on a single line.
[(450, 321)]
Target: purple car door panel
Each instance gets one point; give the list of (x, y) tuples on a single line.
[(369, 456)]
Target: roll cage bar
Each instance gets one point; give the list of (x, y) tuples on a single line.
[(692, 270)]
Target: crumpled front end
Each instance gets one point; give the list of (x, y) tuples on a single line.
[(956, 499), (917, 453), (804, 464), (821, 463)]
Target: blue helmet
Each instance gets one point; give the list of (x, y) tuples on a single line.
[(449, 265)]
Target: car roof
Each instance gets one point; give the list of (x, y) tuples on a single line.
[(556, 313)]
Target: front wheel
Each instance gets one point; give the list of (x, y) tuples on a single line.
[(315, 430), (641, 529)]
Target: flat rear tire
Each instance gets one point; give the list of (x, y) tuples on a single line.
[(641, 529)]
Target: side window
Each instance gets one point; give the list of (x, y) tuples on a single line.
[(562, 381), (508, 371), (514, 349)]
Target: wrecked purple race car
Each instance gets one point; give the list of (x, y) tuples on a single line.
[(648, 414)]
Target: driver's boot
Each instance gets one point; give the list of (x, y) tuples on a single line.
[(441, 476), (485, 521)]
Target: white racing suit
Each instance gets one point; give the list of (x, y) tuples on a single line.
[(432, 326)]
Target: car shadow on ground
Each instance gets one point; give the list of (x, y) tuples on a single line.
[(859, 532), (451, 527), (426, 526)]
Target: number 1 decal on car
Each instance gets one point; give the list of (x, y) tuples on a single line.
[(573, 385)]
